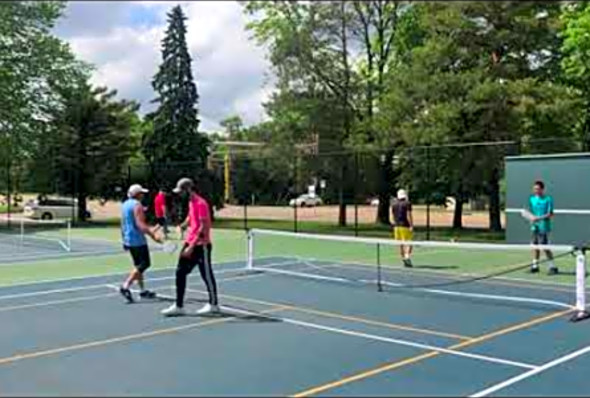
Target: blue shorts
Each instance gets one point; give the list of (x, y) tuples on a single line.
[(540, 238)]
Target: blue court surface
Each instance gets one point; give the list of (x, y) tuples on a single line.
[(285, 335)]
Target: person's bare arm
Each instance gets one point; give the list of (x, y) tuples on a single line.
[(142, 223), (411, 219)]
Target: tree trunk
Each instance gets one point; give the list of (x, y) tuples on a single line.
[(82, 206), (385, 187), (458, 214), (345, 107), (494, 199)]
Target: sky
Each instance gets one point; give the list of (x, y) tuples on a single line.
[(123, 40)]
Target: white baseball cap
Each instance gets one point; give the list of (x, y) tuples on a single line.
[(402, 194), (182, 184), (136, 189)]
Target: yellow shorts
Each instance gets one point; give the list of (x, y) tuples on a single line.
[(403, 233)]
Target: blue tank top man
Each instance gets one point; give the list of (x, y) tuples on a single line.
[(132, 235), (134, 228)]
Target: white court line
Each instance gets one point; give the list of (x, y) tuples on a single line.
[(114, 287), (427, 290), (485, 296), (223, 280), (64, 257), (393, 269), (367, 336), (95, 286), (307, 325), (99, 285), (531, 372), (56, 302), (386, 268), (224, 264)]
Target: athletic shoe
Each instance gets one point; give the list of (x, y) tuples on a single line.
[(173, 310), (534, 270), (407, 263), (127, 294), (146, 294), (553, 271), (208, 309)]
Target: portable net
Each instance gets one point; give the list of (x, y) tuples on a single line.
[(36, 235), (473, 271)]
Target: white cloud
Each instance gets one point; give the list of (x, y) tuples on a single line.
[(229, 69)]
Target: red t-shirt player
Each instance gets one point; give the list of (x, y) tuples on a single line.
[(160, 211)]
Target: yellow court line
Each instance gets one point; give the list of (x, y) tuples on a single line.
[(341, 316), (379, 323), (398, 364), (138, 336)]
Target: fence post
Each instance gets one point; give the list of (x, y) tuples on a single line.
[(296, 186), (429, 193), (356, 199), (8, 194), (245, 215)]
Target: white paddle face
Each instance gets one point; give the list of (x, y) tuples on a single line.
[(527, 215), (169, 247)]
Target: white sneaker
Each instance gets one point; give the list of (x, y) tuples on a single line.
[(208, 309), (173, 310)]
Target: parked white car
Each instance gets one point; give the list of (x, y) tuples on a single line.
[(306, 200), (51, 208)]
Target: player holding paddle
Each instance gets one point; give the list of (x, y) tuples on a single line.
[(539, 213), (134, 228), (196, 251)]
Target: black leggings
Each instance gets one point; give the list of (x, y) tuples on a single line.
[(201, 256)]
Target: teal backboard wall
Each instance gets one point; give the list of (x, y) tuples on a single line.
[(566, 178)]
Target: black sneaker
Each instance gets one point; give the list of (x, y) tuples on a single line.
[(146, 294), (127, 294), (407, 263), (553, 271), (534, 270)]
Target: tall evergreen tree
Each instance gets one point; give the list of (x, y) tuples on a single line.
[(175, 136)]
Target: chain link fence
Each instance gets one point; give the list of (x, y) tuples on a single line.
[(452, 187)]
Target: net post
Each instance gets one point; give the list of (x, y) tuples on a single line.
[(581, 312), (69, 235), (22, 231), (379, 284), (249, 250)]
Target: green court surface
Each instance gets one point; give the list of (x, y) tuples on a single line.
[(293, 325)]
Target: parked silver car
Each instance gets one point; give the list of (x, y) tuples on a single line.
[(52, 208), (306, 200)]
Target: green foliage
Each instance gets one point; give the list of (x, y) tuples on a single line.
[(481, 72), (36, 68), (175, 122), (233, 126), (86, 153)]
